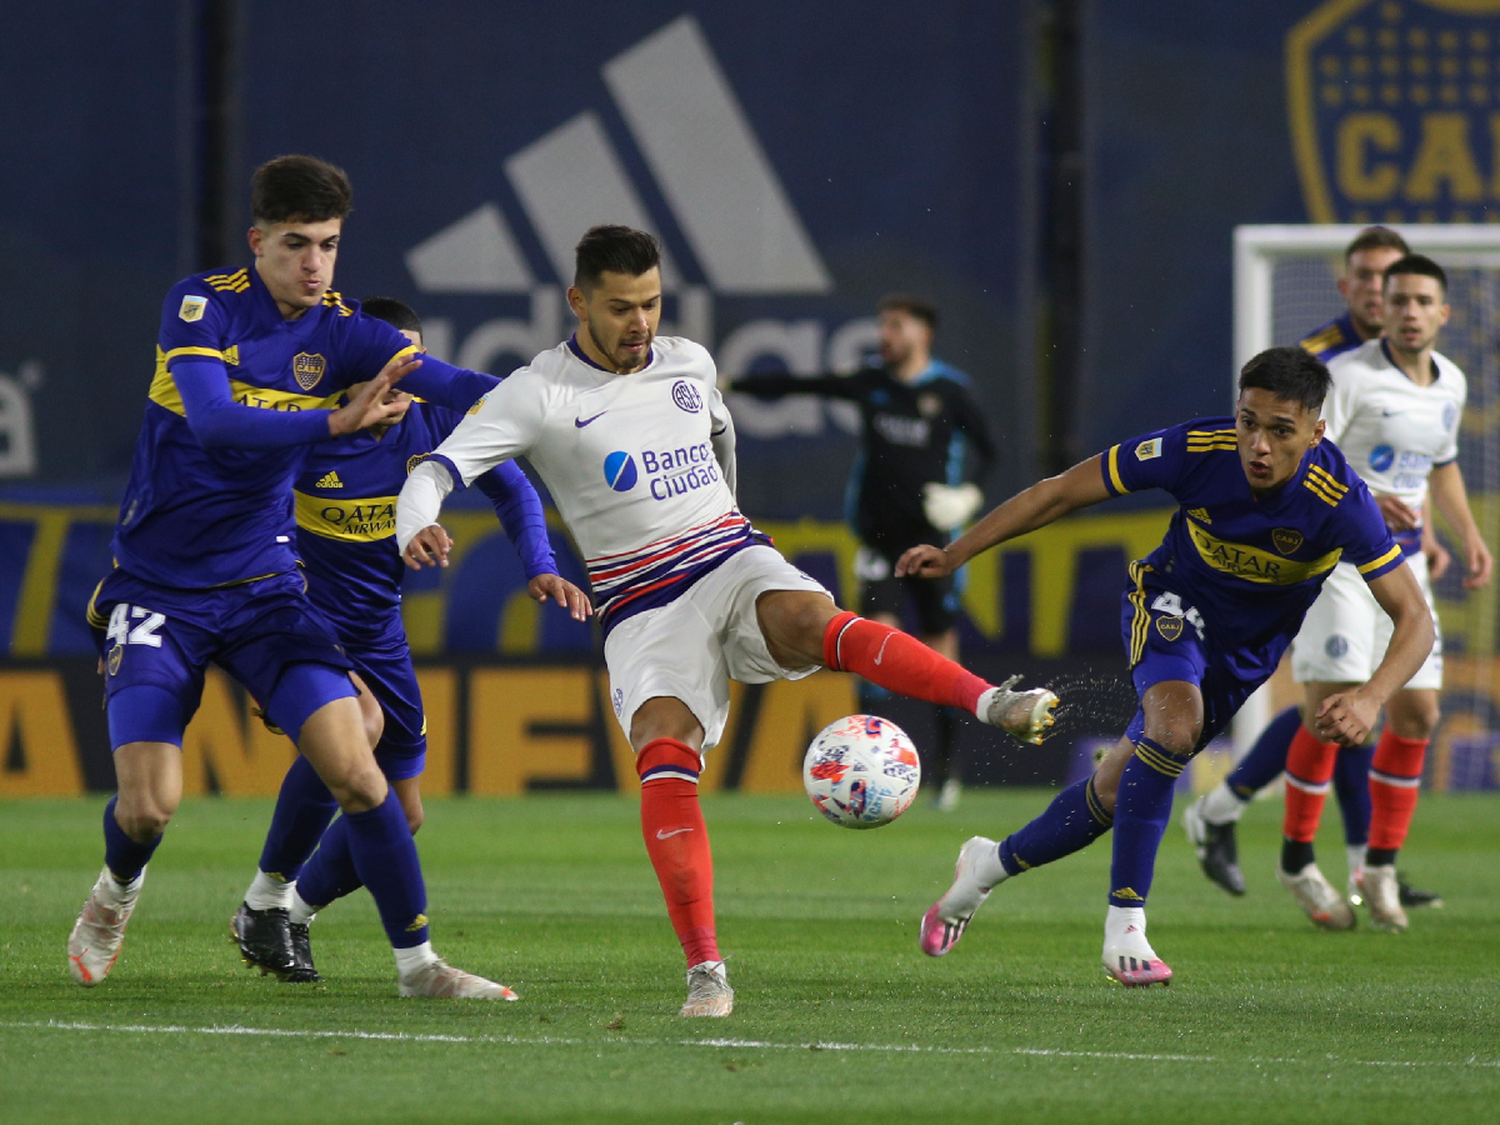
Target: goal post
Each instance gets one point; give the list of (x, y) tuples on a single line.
[(1285, 285)]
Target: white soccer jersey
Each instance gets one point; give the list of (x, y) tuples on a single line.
[(1392, 431), (641, 467)]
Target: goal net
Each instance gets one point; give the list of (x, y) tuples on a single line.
[(1285, 285)]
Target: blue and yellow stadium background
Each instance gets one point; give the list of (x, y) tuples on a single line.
[(895, 150)]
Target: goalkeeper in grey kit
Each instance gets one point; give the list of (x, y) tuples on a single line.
[(919, 421)]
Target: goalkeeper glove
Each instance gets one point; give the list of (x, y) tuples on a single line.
[(947, 506)]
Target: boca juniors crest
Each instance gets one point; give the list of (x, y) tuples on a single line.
[(308, 369), (1395, 110)]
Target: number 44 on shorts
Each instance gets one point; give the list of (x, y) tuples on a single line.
[(120, 632), (1170, 604)]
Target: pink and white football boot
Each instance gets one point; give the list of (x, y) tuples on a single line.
[(977, 872), (1128, 956)]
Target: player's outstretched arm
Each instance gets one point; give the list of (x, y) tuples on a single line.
[(1452, 499), (1348, 717), (1039, 505)]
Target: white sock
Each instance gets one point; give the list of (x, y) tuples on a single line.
[(413, 958), (1222, 805), (1125, 930), (302, 914), (115, 893), (1356, 854), (989, 870), (269, 892)]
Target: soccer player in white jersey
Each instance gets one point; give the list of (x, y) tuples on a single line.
[(633, 440), (1395, 411)]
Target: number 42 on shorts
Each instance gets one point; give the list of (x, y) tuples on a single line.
[(120, 632)]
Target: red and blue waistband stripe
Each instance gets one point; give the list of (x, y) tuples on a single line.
[(681, 773), (627, 584)]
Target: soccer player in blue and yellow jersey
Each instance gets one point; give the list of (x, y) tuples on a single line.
[(1365, 261), (345, 506), (252, 365), (1210, 822), (1266, 510)]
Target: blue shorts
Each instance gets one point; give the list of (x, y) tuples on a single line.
[(1166, 639), (164, 637), (385, 666)]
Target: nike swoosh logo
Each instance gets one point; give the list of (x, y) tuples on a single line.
[(662, 834), (582, 422), (881, 653)]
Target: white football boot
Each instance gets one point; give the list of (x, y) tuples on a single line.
[(1317, 898), (709, 993), (438, 980), (977, 872), (99, 932), (1383, 895), (1128, 956), (1025, 714)]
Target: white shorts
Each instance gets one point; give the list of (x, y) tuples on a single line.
[(691, 648), (1345, 633)]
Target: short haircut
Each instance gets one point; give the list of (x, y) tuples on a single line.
[(924, 311), (1376, 238), (299, 189), (398, 314), (614, 249), (1292, 374), (1421, 265)]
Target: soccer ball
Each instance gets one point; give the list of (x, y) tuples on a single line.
[(861, 771)]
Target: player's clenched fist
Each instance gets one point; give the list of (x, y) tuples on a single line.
[(924, 561), (428, 547)]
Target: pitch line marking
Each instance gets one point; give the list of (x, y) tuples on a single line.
[(746, 1044)]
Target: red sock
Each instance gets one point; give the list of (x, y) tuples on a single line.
[(677, 842), (1309, 766), (1395, 778), (898, 661)]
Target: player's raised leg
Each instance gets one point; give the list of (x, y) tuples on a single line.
[(803, 629)]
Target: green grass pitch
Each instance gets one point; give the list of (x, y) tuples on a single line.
[(839, 1017)]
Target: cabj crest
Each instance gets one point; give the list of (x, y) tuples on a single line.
[(1392, 104), (308, 369), (1286, 539)]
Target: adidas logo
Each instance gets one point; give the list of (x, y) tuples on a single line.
[(330, 479), (687, 128)]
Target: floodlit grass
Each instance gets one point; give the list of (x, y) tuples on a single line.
[(839, 1017)]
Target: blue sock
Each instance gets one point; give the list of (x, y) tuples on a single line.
[(122, 855), (1073, 821), (1267, 757), (330, 873), (303, 809), (1351, 781), (385, 856), (1142, 809)]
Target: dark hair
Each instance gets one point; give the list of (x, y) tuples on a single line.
[(299, 189), (1376, 238), (617, 250), (911, 306), (1292, 374), (398, 314), (1418, 264)]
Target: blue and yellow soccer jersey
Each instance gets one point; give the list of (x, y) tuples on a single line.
[(195, 517), (1334, 338), (346, 518), (1251, 566)]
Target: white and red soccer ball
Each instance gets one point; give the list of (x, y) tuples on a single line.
[(861, 771)]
